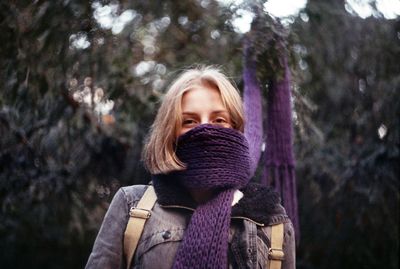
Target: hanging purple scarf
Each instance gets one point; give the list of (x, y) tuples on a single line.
[(279, 166), (252, 105), (280, 163), (217, 159)]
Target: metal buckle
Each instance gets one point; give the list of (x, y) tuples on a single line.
[(276, 254), (139, 213)]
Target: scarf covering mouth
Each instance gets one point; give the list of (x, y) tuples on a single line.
[(216, 159)]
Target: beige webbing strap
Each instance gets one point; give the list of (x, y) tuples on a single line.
[(276, 254), (137, 220)]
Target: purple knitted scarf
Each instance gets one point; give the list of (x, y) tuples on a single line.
[(217, 159)]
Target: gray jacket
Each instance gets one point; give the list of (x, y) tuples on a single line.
[(248, 238)]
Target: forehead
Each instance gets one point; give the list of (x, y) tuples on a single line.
[(202, 98)]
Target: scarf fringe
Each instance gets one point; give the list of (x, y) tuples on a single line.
[(283, 179)]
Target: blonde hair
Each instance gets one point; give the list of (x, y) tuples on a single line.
[(159, 152)]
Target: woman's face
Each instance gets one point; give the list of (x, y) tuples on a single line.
[(202, 105)]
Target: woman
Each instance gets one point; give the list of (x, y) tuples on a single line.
[(207, 214)]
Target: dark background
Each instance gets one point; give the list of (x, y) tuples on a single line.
[(61, 160)]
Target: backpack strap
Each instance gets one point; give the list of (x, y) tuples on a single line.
[(137, 220), (276, 254)]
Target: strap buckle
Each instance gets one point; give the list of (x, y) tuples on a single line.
[(276, 254), (139, 213)]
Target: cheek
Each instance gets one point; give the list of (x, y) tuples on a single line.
[(181, 131)]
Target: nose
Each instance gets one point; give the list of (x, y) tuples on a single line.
[(205, 120)]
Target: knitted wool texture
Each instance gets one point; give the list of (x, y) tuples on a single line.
[(280, 165), (216, 159), (252, 105)]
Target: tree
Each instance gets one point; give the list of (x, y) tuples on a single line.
[(348, 137)]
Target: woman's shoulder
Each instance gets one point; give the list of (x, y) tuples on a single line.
[(132, 193)]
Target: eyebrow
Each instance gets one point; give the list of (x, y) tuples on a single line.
[(213, 112)]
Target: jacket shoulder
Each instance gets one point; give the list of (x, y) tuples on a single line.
[(133, 193)]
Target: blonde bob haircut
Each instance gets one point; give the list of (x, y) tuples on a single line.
[(159, 151)]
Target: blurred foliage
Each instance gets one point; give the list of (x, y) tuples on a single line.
[(78, 96), (348, 141)]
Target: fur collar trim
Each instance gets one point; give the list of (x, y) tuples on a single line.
[(260, 204)]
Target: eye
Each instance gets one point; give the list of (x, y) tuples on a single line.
[(188, 122), (220, 120)]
